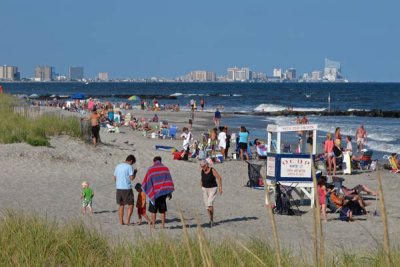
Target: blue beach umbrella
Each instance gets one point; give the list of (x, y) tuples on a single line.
[(78, 96)]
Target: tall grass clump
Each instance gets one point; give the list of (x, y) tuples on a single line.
[(27, 240), (16, 128)]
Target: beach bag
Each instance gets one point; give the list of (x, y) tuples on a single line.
[(345, 214), (373, 165)]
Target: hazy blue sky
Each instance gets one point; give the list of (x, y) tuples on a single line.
[(128, 38)]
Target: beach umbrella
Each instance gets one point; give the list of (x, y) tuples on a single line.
[(134, 97), (78, 96)]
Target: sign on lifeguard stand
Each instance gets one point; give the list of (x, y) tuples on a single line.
[(291, 169)]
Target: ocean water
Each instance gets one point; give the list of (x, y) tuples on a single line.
[(382, 133)]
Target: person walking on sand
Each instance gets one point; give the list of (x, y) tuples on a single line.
[(211, 184), (141, 205), (94, 119), (124, 174), (158, 185), (87, 197), (217, 118), (222, 141), (243, 140), (361, 137), (202, 102)]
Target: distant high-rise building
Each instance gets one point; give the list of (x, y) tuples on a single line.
[(277, 73), (316, 75), (44, 73), (291, 74), (332, 70), (9, 73), (202, 76), (239, 74), (76, 73), (103, 76)]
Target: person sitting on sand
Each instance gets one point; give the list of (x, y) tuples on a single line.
[(146, 127), (355, 196), (87, 197), (155, 118)]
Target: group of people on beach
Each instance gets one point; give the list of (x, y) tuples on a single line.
[(333, 147), (157, 186)]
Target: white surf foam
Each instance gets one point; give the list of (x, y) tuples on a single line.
[(176, 94), (275, 108)]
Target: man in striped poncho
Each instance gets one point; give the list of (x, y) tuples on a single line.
[(158, 185)]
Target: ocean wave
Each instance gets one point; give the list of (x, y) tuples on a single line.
[(357, 109), (176, 94), (275, 108), (269, 108)]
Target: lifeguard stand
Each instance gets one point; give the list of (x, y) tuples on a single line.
[(291, 169)]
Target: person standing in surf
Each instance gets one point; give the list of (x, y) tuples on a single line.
[(361, 137)]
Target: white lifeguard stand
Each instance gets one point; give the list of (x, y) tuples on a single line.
[(291, 169)]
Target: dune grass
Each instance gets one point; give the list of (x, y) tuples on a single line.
[(34, 241), (16, 128)]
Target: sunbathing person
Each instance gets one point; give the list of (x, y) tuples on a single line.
[(354, 196), (358, 189)]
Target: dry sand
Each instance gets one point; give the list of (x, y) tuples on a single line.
[(47, 181)]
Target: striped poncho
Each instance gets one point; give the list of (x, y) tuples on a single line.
[(157, 182)]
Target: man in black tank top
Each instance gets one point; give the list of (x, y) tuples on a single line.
[(211, 183)]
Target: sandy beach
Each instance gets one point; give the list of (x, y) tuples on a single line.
[(47, 181)]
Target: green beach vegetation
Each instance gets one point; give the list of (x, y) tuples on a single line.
[(19, 128), (34, 241)]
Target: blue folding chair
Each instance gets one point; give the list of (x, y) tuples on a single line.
[(172, 131)]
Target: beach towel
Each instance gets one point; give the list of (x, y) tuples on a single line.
[(157, 182)]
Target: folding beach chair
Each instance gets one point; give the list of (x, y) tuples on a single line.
[(392, 163), (172, 131)]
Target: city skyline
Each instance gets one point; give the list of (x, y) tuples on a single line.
[(43, 73), (162, 39)]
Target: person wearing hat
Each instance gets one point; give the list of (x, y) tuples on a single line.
[(211, 183)]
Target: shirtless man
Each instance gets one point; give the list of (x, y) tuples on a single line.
[(95, 123), (361, 137)]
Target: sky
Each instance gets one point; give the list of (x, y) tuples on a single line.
[(129, 38)]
